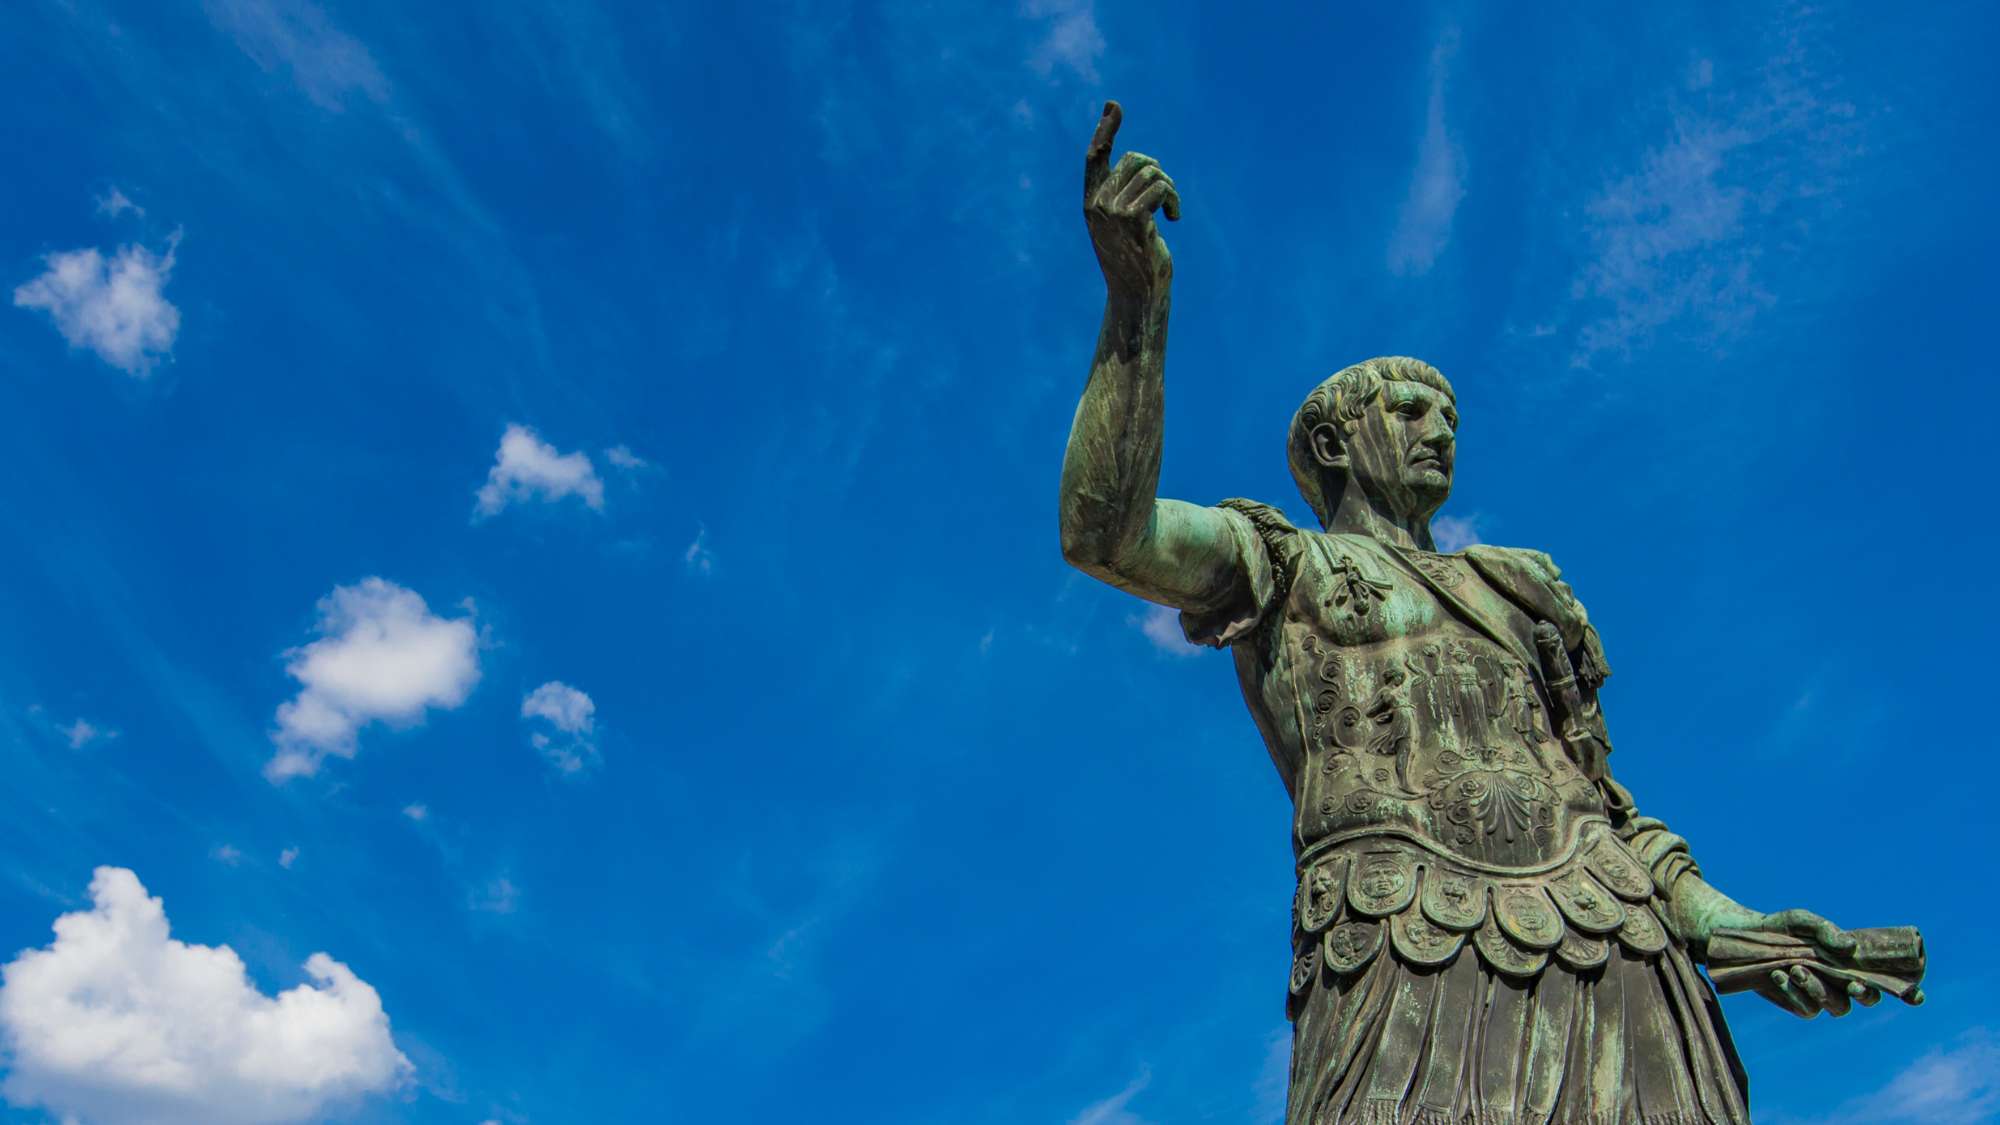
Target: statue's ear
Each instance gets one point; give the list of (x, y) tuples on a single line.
[(1328, 448)]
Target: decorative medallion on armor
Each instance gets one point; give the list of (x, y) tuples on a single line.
[(1582, 952), (1587, 906), (1304, 967), (1456, 902), (1526, 915), (1351, 945), (1617, 869), (1424, 904), (1642, 933), (1383, 883), (1320, 893), (1504, 955), (1420, 943)]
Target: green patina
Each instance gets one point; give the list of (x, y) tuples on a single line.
[(1476, 888)]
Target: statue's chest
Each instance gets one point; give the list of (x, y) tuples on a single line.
[(1350, 595), (1418, 715)]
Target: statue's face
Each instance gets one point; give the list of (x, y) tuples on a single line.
[(1400, 450)]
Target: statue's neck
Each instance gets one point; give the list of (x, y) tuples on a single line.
[(1360, 514)]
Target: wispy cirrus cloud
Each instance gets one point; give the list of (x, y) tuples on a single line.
[(296, 37), (1676, 238), (1111, 1110), (114, 203), (699, 556), (1070, 38), (1955, 1085), (113, 306), (1274, 1079), (1437, 183)]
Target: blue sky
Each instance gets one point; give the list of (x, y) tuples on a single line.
[(553, 508)]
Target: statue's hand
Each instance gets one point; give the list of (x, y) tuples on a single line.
[(1801, 990), (1118, 205)]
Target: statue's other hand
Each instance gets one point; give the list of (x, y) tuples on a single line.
[(1801, 990), (1118, 206)]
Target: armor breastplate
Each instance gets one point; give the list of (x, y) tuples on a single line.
[(1418, 725)]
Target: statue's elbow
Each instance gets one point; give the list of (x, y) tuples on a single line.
[(1080, 549), (1093, 553)]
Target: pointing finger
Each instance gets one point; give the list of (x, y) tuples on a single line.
[(1097, 158)]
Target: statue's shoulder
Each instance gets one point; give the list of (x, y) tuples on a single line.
[(1266, 518), (1271, 548), (1533, 580), (1283, 542), (1526, 561)]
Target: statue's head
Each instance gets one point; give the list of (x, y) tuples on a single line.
[(1387, 423)]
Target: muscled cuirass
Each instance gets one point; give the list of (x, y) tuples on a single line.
[(1404, 698), (1416, 722)]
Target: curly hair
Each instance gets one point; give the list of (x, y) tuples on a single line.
[(1341, 399)]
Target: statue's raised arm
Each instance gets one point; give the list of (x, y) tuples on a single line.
[(1114, 527)]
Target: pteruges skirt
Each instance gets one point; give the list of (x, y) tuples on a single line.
[(1638, 1041)]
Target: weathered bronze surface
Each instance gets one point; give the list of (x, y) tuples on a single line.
[(1486, 929)]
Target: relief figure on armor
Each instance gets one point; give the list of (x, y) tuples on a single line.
[(1486, 928)]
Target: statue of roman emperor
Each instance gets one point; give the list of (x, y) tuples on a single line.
[(1486, 927)]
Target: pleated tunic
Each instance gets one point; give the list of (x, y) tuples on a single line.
[(1480, 932)]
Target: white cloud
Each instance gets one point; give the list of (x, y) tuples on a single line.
[(624, 458), (698, 557), (227, 853), (1162, 626), (569, 709), (1436, 185), (416, 812), (288, 857), (573, 716), (115, 1021), (83, 732), (1455, 533), (114, 203), (112, 307), (528, 468), (1111, 1110), (381, 656), (1072, 41), (295, 35)]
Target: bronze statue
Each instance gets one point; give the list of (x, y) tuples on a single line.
[(1486, 930)]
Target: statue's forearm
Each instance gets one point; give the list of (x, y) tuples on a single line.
[(1696, 910), (1111, 469)]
